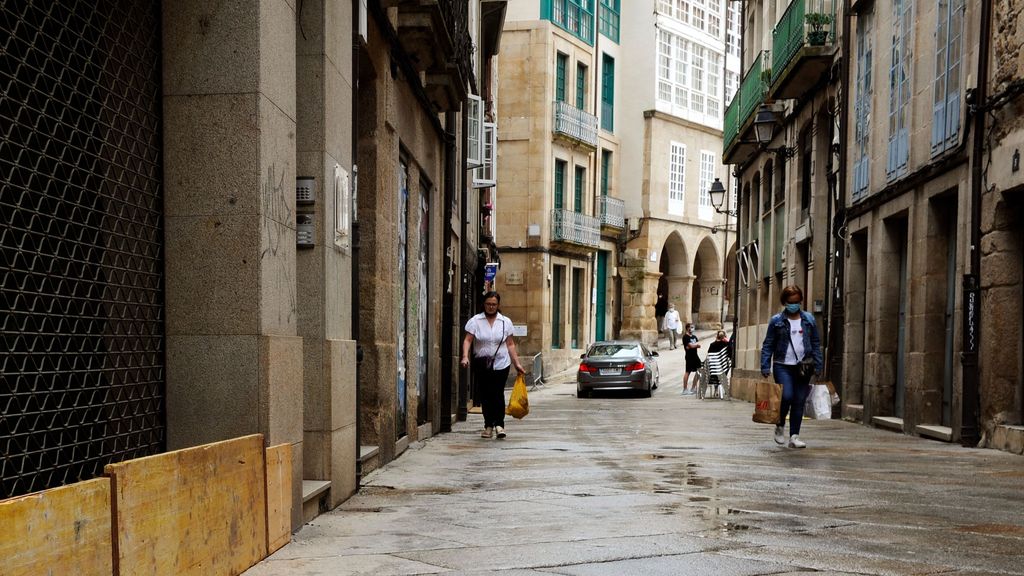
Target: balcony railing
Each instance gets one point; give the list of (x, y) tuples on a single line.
[(751, 94), (794, 32), (613, 211), (575, 228), (731, 127), (753, 87), (575, 123)]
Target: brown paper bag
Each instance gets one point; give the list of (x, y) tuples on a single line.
[(767, 398)]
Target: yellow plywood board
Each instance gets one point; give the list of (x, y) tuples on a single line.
[(198, 511), (279, 496), (65, 530)]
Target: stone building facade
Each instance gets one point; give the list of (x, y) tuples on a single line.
[(790, 86), (592, 242), (679, 250), (558, 213), (237, 202), (1001, 382), (909, 147)]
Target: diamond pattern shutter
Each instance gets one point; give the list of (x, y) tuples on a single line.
[(81, 240)]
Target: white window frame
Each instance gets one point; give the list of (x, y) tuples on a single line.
[(862, 106), (708, 161), (949, 46), (900, 75), (474, 132), (733, 30), (677, 178), (686, 86), (486, 175)]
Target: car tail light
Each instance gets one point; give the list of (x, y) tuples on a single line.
[(584, 367), (634, 367)]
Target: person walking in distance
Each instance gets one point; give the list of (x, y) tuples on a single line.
[(672, 325), (489, 340), (792, 336), (693, 362)]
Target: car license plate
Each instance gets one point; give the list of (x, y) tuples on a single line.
[(610, 371)]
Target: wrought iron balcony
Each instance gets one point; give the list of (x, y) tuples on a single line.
[(613, 212), (803, 44), (731, 126), (575, 124), (575, 228), (740, 112)]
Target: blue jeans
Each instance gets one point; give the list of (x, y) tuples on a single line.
[(794, 394)]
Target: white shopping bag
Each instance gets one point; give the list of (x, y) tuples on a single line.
[(819, 403)]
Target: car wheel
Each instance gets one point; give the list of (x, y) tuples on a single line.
[(647, 393), (581, 393)]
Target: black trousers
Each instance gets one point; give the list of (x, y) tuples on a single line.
[(491, 384)]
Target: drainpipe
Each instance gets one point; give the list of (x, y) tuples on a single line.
[(969, 425), (834, 272), (354, 310), (448, 298)]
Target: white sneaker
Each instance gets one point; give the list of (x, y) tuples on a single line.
[(500, 431), (780, 435), (796, 442), (487, 432)]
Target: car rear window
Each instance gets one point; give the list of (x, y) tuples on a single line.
[(612, 351)]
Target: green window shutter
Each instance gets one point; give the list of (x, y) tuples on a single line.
[(560, 65), (606, 166), (578, 189), (607, 93), (559, 184), (581, 86)]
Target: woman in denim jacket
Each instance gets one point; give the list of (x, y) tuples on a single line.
[(792, 335)]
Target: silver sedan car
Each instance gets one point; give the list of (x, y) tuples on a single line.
[(617, 365)]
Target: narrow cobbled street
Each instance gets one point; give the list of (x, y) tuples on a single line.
[(671, 485)]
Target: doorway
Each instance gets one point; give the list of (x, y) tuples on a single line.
[(600, 308)]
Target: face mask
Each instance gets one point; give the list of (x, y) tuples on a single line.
[(793, 308)]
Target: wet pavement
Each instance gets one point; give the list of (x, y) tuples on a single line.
[(670, 485)]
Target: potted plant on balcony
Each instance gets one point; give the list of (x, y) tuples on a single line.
[(766, 79), (817, 21)]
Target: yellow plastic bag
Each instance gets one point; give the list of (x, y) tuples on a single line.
[(518, 404)]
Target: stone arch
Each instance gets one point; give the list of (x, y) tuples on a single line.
[(707, 285), (676, 279)]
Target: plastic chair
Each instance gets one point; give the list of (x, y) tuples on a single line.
[(714, 375)]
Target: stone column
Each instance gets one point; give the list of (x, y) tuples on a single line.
[(710, 313), (324, 151), (679, 293), (234, 361), (639, 296)]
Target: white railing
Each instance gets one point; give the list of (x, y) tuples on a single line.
[(613, 211), (575, 123), (575, 228)]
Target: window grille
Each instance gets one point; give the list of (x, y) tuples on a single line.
[(81, 240)]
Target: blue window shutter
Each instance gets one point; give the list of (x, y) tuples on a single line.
[(939, 124), (953, 118)]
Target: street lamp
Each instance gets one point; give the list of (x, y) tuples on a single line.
[(717, 194), (764, 130), (764, 125)]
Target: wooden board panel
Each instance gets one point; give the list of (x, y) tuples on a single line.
[(65, 530), (279, 496), (199, 511)]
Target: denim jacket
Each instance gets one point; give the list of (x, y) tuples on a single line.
[(776, 341)]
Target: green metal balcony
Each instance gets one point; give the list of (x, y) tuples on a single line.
[(803, 45), (740, 112), (731, 127)]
